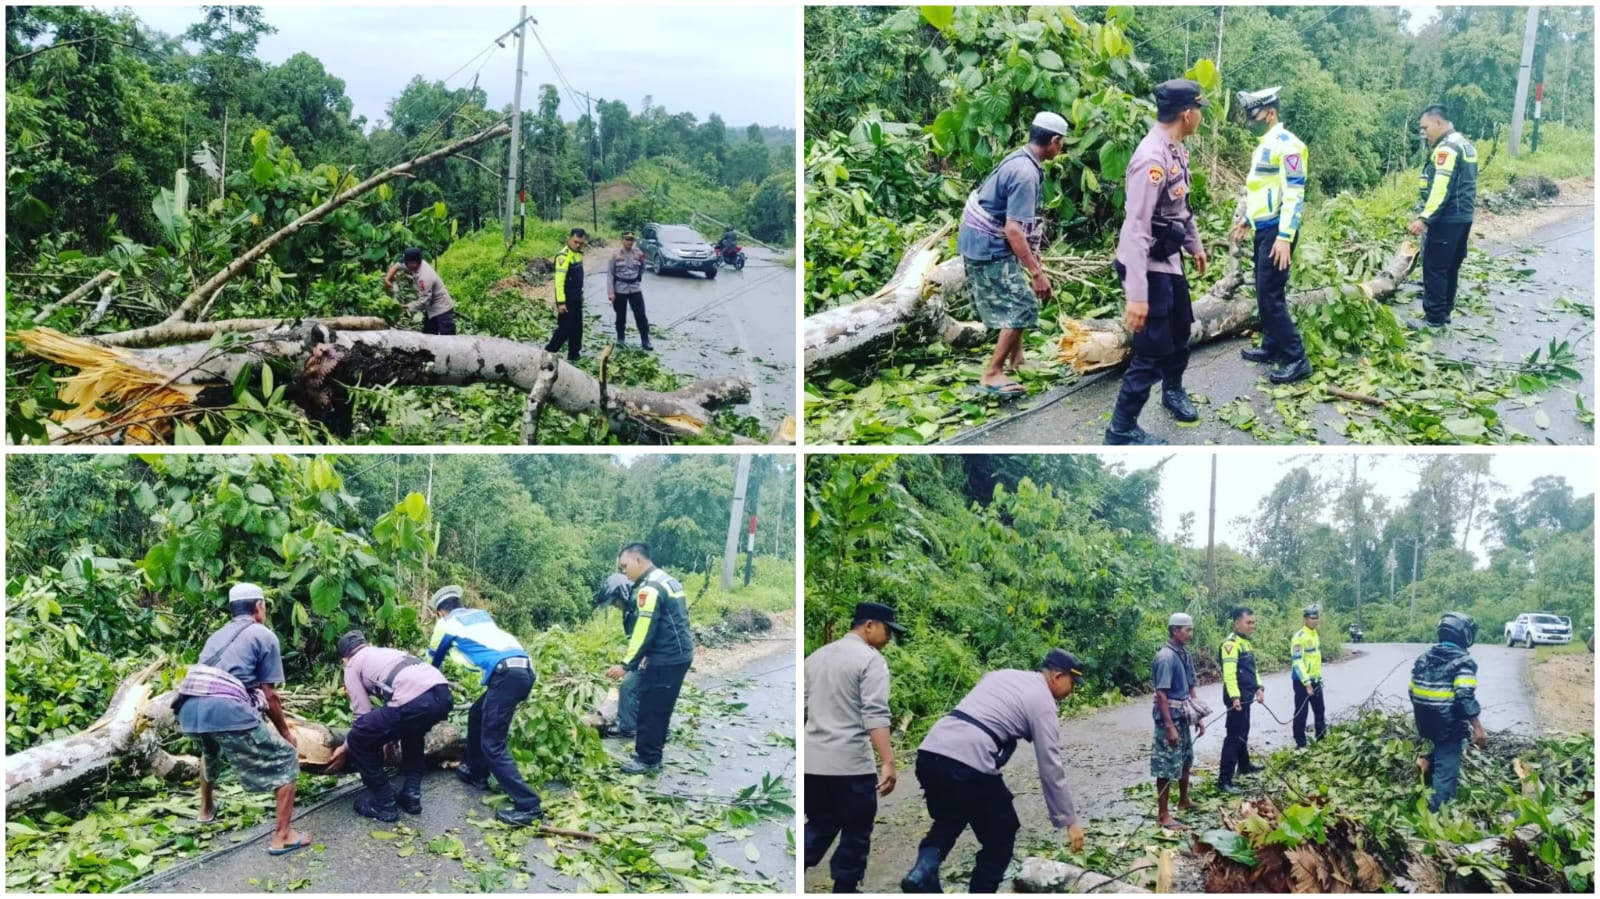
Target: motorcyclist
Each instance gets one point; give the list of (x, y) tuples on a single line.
[(727, 243)]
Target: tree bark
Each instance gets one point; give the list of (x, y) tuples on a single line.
[(251, 256), (537, 397), (1092, 344), (132, 729), (75, 296), (910, 307), (372, 358), (173, 332)]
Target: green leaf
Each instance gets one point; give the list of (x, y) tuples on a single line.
[(325, 594), (385, 835), (259, 495), (1230, 845), (751, 852), (1049, 60), (677, 861), (940, 17), (1465, 427), (416, 508), (1542, 419)]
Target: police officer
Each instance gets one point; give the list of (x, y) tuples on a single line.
[(1274, 199), (1158, 228), (959, 762), (847, 719), (617, 592), (1305, 658), (471, 638), (661, 649), (1240, 690), (569, 297), (1176, 710), (999, 238), (622, 284), (415, 698), (433, 300), (1449, 191), (1444, 701)]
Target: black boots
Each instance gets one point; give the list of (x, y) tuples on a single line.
[(1176, 401), (1256, 354), (518, 818), (382, 808), (840, 886), (410, 798), (1290, 372), (1125, 430), (924, 877)]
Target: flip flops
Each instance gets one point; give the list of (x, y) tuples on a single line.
[(1008, 390), (303, 842), (216, 812)]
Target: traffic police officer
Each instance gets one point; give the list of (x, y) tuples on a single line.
[(1158, 228), (569, 297), (1275, 198), (847, 718), (622, 283), (661, 650), (1449, 191), (1240, 690), (1444, 700), (1305, 657)]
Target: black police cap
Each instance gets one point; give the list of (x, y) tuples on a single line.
[(1179, 94), (1061, 660), (350, 642), (877, 611)]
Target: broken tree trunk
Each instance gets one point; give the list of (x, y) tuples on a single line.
[(371, 358), (173, 332), (1092, 344), (249, 257), (131, 730), (910, 307), (1043, 875), (103, 278)]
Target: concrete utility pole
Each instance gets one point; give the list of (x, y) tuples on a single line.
[(516, 117), (1523, 73), (1211, 535), (594, 201), (1222, 12), (730, 549)]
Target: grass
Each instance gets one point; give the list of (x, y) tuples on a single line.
[(1542, 653), (772, 589)]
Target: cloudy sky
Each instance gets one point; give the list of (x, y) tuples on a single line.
[(1244, 476), (741, 62)]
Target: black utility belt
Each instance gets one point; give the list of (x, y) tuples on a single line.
[(1166, 237)]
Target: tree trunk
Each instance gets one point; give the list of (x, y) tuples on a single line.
[(132, 729), (173, 332), (320, 359), (910, 307), (1093, 344), (249, 257)]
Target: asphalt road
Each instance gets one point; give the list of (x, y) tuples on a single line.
[(1108, 750), (741, 324), (1521, 317), (727, 753)]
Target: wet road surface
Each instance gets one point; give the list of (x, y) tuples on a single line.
[(741, 325), (1109, 750), (732, 752), (1523, 316)]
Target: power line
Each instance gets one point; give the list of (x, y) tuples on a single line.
[(1183, 24)]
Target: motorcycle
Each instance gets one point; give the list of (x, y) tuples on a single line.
[(1355, 634), (732, 255)]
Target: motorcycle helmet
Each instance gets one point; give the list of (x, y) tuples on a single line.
[(1457, 628), (614, 591)]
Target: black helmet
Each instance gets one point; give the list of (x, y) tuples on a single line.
[(614, 591), (1457, 628)]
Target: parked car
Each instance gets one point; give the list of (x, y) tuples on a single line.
[(677, 248), (1533, 628)]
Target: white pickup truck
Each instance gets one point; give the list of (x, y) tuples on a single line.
[(1533, 628)]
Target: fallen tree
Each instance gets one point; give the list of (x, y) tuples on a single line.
[(914, 308), (127, 395), (131, 732)]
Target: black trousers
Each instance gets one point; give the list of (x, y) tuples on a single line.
[(636, 300), (1236, 739), (958, 797), (1303, 707), (842, 807), (443, 323), (1442, 254), (1161, 350), (488, 730), (1278, 334), (407, 723), (569, 331), (659, 686)]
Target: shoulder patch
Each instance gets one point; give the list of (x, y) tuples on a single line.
[(1156, 174), (1441, 156), (641, 600), (1292, 162)]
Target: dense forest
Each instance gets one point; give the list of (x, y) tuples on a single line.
[(907, 108), (178, 189), (114, 562), (992, 560)]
